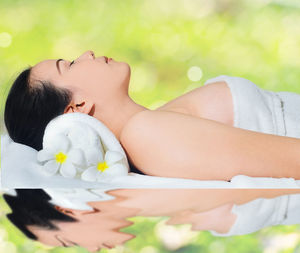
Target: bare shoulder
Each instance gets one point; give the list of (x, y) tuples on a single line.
[(136, 124), (140, 127), (148, 122), (138, 138), (162, 143), (212, 101), (215, 101)]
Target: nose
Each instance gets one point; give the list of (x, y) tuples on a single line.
[(88, 55)]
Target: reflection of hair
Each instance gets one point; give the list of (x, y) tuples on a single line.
[(32, 207)]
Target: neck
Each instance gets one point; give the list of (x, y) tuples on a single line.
[(117, 116)]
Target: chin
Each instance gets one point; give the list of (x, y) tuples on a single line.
[(123, 73), (127, 72), (126, 82), (127, 66)]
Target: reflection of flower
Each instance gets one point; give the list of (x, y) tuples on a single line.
[(59, 157), (103, 169)]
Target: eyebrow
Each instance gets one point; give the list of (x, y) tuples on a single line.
[(57, 66)]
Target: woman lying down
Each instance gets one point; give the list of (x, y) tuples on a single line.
[(249, 130), (223, 212)]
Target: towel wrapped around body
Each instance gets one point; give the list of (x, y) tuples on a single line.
[(262, 110), (261, 213)]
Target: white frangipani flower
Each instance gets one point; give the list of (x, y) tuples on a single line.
[(61, 157), (104, 170)]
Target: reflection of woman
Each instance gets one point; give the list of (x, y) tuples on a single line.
[(188, 132), (205, 209)]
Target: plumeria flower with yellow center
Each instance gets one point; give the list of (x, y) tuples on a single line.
[(60, 156), (104, 170)]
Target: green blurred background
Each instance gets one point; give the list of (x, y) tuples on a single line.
[(172, 46)]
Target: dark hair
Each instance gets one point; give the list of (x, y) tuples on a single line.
[(30, 107), (32, 207), (28, 110)]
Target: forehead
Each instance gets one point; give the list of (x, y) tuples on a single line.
[(45, 70)]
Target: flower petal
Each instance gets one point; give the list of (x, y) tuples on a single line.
[(45, 155), (76, 156), (90, 174), (60, 143), (117, 169), (113, 157), (67, 169), (93, 156), (50, 167)]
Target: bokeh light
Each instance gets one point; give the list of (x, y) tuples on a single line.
[(195, 73), (5, 39)]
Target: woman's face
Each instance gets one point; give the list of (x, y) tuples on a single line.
[(100, 228), (92, 230), (90, 78)]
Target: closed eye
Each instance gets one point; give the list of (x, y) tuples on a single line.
[(71, 63), (61, 241), (65, 244)]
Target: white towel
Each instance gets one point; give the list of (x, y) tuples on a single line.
[(262, 110), (261, 213), (293, 210)]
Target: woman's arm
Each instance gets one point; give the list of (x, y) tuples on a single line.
[(216, 214), (151, 202), (220, 219), (205, 209), (171, 144)]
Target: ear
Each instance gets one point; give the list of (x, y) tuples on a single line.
[(81, 106), (66, 211), (74, 212)]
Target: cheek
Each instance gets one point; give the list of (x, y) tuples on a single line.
[(96, 237), (118, 74), (49, 240), (98, 80)]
